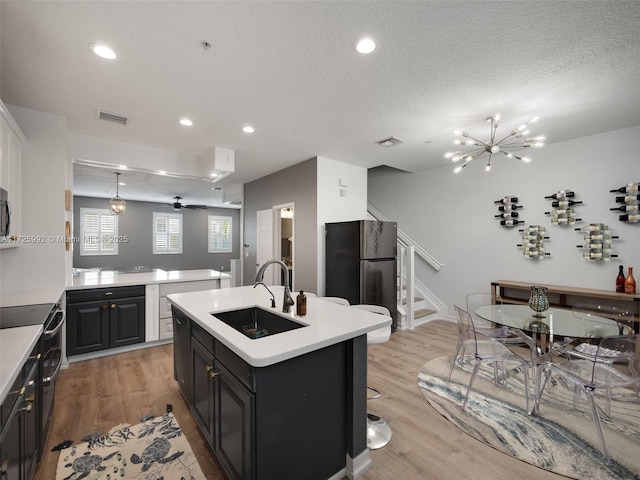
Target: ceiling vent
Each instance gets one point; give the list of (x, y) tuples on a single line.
[(111, 117), (390, 142)]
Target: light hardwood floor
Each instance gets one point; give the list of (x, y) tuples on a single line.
[(95, 395)]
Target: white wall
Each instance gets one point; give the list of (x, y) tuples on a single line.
[(334, 177), (33, 268), (452, 216)]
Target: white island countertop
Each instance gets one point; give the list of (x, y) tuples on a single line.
[(114, 278), (16, 345), (326, 323)]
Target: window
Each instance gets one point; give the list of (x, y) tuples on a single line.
[(219, 234), (167, 233), (98, 232)]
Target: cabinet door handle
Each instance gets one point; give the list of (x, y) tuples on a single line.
[(113, 306), (178, 321), (211, 371), (104, 307), (29, 401)]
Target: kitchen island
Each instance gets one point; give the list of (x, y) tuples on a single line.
[(287, 405)]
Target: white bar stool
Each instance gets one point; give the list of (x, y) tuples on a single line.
[(378, 430)]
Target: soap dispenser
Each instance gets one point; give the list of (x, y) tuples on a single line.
[(301, 304)]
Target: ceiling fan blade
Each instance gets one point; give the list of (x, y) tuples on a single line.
[(196, 207)]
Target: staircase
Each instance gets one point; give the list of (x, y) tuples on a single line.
[(425, 305)]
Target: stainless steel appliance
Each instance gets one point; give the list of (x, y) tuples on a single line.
[(361, 263), (52, 317)]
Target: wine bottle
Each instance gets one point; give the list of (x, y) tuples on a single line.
[(507, 215), (627, 199), (591, 236), (628, 188), (620, 280), (510, 223), (598, 255), (593, 227), (564, 220), (556, 212), (506, 200), (530, 245), (565, 203), (630, 282), (629, 218), (534, 229), (536, 238), (562, 194), (535, 253), (627, 208), (508, 207), (596, 247)]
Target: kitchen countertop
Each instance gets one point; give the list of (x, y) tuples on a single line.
[(16, 345), (31, 297), (108, 278), (327, 323)]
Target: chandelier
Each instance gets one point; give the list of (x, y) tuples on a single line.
[(116, 204), (516, 139)]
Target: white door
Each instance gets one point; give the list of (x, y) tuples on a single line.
[(264, 243)]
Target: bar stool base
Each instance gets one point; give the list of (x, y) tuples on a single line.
[(378, 432)]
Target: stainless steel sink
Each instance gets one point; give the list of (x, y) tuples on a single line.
[(255, 322)]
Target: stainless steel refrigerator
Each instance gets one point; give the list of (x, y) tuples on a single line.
[(361, 263)]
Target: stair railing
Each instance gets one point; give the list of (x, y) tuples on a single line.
[(408, 250)]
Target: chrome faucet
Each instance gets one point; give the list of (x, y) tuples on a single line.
[(287, 301)]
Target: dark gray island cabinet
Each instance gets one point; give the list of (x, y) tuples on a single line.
[(303, 417)]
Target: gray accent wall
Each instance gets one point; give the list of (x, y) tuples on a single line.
[(137, 225), (296, 184)]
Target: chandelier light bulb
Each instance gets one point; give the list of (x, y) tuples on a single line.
[(516, 139)]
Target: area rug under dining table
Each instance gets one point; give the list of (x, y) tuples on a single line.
[(151, 450), (561, 439)]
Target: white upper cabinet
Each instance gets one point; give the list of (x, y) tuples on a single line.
[(11, 141)]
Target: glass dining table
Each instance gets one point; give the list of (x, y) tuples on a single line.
[(555, 322)]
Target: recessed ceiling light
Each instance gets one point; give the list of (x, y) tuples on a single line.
[(365, 45), (248, 129), (103, 51), (186, 122)]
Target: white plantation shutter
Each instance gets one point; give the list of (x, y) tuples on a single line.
[(167, 233), (219, 234), (98, 231)]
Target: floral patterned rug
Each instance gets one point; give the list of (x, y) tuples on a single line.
[(151, 450), (562, 439)]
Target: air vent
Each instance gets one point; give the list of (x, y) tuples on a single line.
[(390, 142), (111, 117)]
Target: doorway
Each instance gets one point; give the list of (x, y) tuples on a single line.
[(276, 240)]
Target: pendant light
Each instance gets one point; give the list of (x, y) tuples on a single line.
[(116, 204)]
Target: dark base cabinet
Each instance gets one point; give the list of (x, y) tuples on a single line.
[(287, 420), (103, 318), (182, 361), (20, 424)]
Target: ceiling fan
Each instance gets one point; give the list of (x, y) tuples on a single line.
[(178, 205)]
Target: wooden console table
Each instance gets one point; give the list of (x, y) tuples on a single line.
[(565, 297)]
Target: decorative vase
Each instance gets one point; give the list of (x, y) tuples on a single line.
[(538, 301)]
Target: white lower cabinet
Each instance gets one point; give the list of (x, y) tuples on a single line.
[(166, 322)]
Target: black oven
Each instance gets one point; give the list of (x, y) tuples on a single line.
[(52, 317), (51, 363)]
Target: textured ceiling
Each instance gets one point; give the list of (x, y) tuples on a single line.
[(290, 70)]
